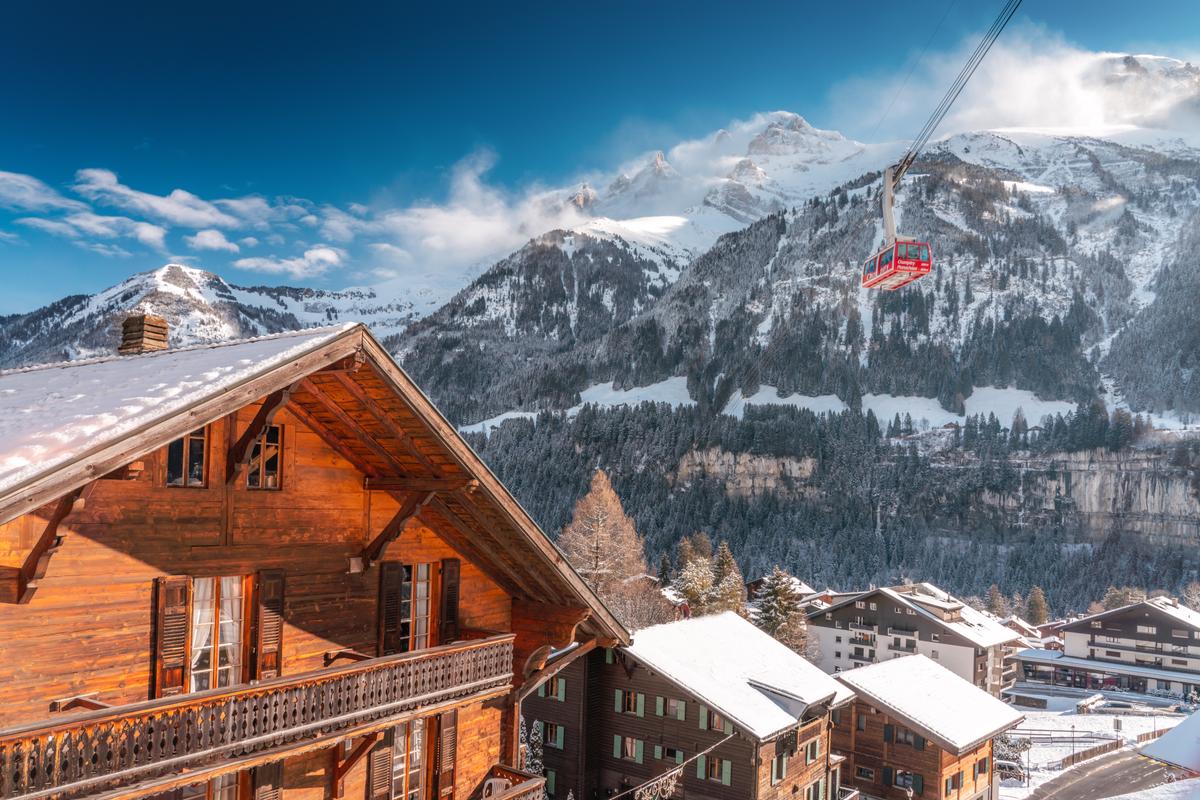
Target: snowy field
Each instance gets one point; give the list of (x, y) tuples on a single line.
[(1180, 790)]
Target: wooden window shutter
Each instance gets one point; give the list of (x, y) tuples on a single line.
[(887, 776), (641, 704), (616, 745), (379, 768), (448, 612), (681, 710), (726, 771), (541, 690), (391, 581), (268, 625), (703, 718), (658, 706), (447, 752), (918, 784), (268, 781), (618, 701), (887, 733), (701, 767), (562, 690), (658, 751), (172, 619)]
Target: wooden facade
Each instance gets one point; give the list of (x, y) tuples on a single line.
[(333, 598), (611, 743), (885, 755)]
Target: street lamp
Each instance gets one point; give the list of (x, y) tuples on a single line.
[(1072, 740)]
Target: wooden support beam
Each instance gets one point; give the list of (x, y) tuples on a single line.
[(385, 419), (239, 454), (408, 509), (352, 655), (390, 484), (38, 560), (352, 426), (342, 766), (85, 701), (335, 444), (553, 668), (462, 538), (485, 527)]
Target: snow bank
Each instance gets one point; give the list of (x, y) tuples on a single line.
[(1179, 746), (1004, 403), (487, 425), (673, 391), (769, 396)]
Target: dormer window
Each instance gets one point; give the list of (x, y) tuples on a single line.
[(185, 459)]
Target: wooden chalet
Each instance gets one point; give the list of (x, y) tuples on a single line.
[(916, 729), (734, 713), (267, 568)]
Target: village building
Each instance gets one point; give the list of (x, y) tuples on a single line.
[(1149, 646), (738, 715), (269, 569), (886, 623), (917, 727)]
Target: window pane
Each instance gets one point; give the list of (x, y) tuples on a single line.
[(225, 787), (203, 599), (175, 463), (195, 469)]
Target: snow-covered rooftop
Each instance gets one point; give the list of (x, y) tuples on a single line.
[(1179, 746), (974, 626), (1056, 658), (758, 684), (53, 414), (933, 700), (1166, 605)]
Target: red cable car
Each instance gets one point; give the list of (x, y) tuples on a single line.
[(897, 264)]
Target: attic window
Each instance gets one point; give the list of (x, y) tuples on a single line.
[(264, 472), (185, 460)]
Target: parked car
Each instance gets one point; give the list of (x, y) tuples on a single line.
[(1009, 769)]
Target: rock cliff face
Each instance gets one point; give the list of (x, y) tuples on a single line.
[(745, 474), (1098, 493)]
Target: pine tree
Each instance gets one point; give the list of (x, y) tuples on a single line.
[(1191, 595), (534, 761), (779, 610), (1037, 612), (695, 583)]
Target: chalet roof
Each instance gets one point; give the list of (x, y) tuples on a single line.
[(1165, 605), (1179, 747), (64, 425), (933, 701), (976, 627), (758, 684)]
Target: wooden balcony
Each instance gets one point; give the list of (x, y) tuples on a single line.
[(126, 746), (520, 785)]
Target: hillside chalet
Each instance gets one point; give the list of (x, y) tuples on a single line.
[(917, 727), (267, 569), (738, 715)]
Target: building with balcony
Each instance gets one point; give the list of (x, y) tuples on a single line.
[(917, 727), (267, 568), (714, 701), (887, 623), (1149, 646)]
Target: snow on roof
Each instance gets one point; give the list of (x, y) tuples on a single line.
[(976, 627), (1166, 605), (1060, 659), (1028, 629), (1180, 746), (760, 685), (952, 711), (53, 414)]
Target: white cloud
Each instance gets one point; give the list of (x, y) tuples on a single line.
[(1030, 78), (10, 238), (248, 241), (315, 261), (27, 193), (210, 239), (180, 207), (87, 225)]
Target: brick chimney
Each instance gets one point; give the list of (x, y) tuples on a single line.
[(142, 333)]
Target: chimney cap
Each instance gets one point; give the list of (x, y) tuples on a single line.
[(143, 333)]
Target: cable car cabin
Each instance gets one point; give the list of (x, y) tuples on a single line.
[(897, 264)]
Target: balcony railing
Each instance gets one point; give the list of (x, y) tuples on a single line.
[(847, 793), (909, 632), (119, 746), (862, 641), (521, 785), (858, 626), (903, 648)]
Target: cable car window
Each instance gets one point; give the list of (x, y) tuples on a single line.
[(885, 259), (869, 267), (924, 252)]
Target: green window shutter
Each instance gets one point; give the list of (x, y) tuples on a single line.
[(816, 749), (726, 771), (616, 745), (700, 770), (658, 752), (641, 704), (919, 742), (608, 655), (887, 733), (728, 726), (918, 784), (639, 749), (558, 738), (618, 706), (658, 706), (542, 690), (774, 770), (678, 756), (783, 770), (550, 776), (975, 771), (703, 718), (821, 789), (562, 689), (681, 710), (887, 776)]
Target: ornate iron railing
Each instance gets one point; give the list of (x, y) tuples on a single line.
[(123, 745), (521, 785)]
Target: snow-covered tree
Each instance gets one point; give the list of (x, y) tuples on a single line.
[(779, 611), (695, 583), (534, 758), (729, 587), (1191, 595), (996, 602)]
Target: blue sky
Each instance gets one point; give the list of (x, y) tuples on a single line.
[(282, 129)]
